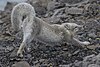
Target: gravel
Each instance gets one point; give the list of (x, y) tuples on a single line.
[(37, 54)]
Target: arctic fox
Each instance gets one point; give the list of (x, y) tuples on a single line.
[(23, 17)]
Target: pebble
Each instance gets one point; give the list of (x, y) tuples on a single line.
[(93, 65), (1, 21), (10, 48), (64, 65), (21, 64), (51, 6), (74, 11)]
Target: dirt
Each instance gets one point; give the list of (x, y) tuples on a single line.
[(37, 54)]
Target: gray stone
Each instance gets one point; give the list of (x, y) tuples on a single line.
[(93, 65), (78, 63), (88, 58), (21, 64), (1, 21), (71, 1), (74, 10), (92, 35), (51, 6), (64, 65), (85, 64), (98, 59)]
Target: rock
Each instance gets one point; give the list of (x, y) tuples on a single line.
[(2, 49), (14, 53), (41, 60), (10, 48), (98, 59), (51, 6), (93, 65), (98, 34), (1, 21), (76, 52), (65, 49), (55, 20), (39, 8), (92, 35), (44, 65), (74, 11), (78, 64), (93, 47), (91, 1), (64, 65), (85, 64), (71, 1), (88, 58), (21, 64), (45, 2)]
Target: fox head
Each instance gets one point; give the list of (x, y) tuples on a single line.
[(72, 26)]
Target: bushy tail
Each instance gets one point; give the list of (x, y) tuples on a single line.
[(19, 13)]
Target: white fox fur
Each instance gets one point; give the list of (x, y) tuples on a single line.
[(23, 17)]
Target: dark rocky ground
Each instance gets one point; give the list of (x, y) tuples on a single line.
[(83, 12)]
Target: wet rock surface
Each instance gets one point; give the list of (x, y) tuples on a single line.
[(82, 12)]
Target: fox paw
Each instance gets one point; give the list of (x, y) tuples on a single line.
[(19, 54)]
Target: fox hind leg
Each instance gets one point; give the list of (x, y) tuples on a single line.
[(26, 39)]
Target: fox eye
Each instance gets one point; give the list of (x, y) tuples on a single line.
[(76, 27)]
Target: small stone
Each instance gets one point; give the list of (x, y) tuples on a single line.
[(92, 35), (64, 65), (10, 48), (93, 65), (88, 58), (41, 60), (98, 59), (65, 49), (78, 64), (1, 21), (76, 52), (29, 55), (43, 65), (85, 64), (21, 64), (71, 1), (51, 6), (39, 8), (74, 11), (14, 53), (91, 1)]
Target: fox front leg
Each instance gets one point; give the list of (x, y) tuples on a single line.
[(27, 37), (21, 49), (84, 43)]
